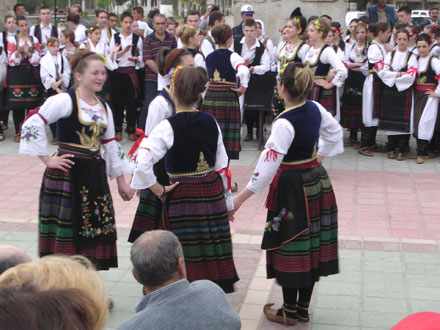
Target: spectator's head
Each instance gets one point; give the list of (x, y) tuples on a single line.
[(138, 13), (168, 59), (28, 308), (153, 12), (19, 9), (433, 14), (250, 30), (101, 17), (188, 35), (222, 35), (10, 23), (327, 17), (59, 272), (404, 15), (22, 25), (67, 35), (352, 26), (159, 24), (246, 12), (380, 31), (260, 28), (44, 15), (382, 3), (318, 29), (157, 255), (294, 81), (171, 26), (216, 18), (113, 20), (10, 256), (76, 9), (73, 19), (193, 19)]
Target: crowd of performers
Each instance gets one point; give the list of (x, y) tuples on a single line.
[(194, 90)]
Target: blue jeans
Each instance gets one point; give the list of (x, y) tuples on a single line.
[(150, 93)]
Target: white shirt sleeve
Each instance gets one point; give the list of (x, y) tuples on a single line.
[(206, 48), (151, 151), (274, 151), (329, 56), (158, 110), (116, 162), (242, 70), (33, 133), (199, 61), (264, 64), (435, 64), (407, 79), (330, 134)]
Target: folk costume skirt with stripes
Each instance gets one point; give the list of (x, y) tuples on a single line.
[(395, 114), (76, 214), (149, 211), (25, 90), (222, 103), (352, 100), (301, 234), (196, 212), (326, 97)]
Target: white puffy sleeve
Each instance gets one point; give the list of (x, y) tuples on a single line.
[(330, 134), (274, 151), (158, 110), (386, 74), (151, 151), (46, 78), (237, 63), (407, 79), (34, 60), (116, 162), (33, 140), (435, 64), (328, 55)]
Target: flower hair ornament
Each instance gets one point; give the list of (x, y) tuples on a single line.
[(50, 44), (173, 73), (91, 29), (317, 25), (281, 73), (297, 22)]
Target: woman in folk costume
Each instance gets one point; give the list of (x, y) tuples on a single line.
[(373, 87), (94, 44), (228, 79), (9, 33), (396, 115), (356, 61), (320, 58), (67, 41), (76, 213), (413, 33), (23, 79), (301, 232), (196, 205), (426, 94), (149, 210), (54, 74), (191, 39)]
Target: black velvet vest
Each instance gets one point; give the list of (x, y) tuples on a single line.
[(320, 69), (427, 77), (220, 60)]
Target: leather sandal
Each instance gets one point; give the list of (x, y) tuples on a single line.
[(400, 156), (392, 155), (271, 315), (365, 152), (2, 137), (421, 159)]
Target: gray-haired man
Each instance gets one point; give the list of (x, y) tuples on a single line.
[(171, 301)]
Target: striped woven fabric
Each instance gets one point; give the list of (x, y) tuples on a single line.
[(420, 100), (57, 226), (395, 114), (326, 97), (222, 103), (302, 261), (148, 214), (351, 110), (197, 214)]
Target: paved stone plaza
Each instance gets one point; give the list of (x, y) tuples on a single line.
[(389, 233)]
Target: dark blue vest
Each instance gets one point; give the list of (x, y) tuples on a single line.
[(306, 120), (70, 129), (319, 68), (220, 60), (195, 143), (427, 77)]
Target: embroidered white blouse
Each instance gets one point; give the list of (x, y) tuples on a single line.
[(154, 148), (34, 140), (13, 60), (281, 137)]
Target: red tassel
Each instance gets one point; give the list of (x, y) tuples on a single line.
[(271, 154), (136, 145), (228, 176), (412, 71), (379, 66)]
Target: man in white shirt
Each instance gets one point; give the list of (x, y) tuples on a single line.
[(73, 22), (101, 21), (193, 19), (45, 29), (258, 61), (208, 43)]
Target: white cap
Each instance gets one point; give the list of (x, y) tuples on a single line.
[(247, 9)]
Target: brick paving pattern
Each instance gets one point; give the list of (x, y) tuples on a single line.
[(389, 235)]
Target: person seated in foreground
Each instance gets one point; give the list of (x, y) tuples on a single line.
[(10, 256), (171, 302)]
